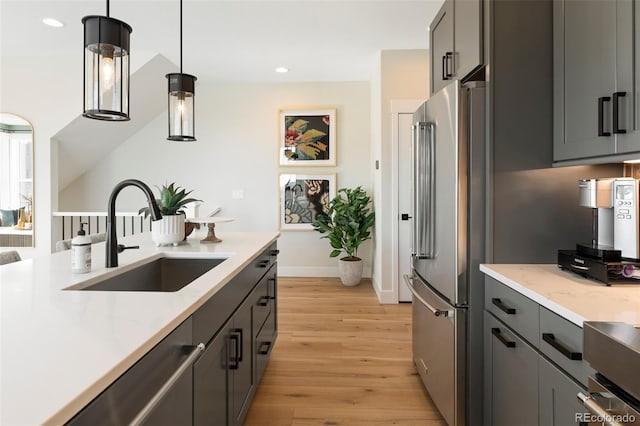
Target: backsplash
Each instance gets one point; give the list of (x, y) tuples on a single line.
[(632, 170)]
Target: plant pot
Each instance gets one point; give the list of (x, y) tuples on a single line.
[(350, 269), (168, 231)]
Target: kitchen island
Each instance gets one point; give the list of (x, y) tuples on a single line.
[(59, 349)]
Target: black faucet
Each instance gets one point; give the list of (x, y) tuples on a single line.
[(111, 259)]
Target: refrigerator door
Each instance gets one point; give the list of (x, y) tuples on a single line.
[(438, 342), (440, 179)]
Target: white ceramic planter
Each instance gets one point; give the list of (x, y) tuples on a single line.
[(350, 271), (168, 231)]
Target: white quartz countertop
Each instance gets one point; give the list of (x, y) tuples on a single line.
[(60, 348), (569, 295)]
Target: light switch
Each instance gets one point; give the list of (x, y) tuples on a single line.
[(237, 194)]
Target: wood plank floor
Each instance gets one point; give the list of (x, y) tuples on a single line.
[(341, 358)]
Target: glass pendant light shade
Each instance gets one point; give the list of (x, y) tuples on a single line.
[(181, 107), (106, 68)]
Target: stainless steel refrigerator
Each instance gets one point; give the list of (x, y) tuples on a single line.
[(448, 163)]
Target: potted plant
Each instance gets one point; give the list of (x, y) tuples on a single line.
[(346, 225), (171, 228)]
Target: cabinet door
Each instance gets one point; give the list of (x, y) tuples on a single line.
[(512, 375), (468, 36), (558, 403), (628, 76), (441, 47), (584, 75), (243, 377), (211, 381)]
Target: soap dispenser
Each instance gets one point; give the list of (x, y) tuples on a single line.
[(81, 252)]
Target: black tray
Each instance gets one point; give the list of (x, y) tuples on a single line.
[(607, 272)]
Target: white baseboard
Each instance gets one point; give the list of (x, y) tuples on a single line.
[(313, 271), (385, 297)]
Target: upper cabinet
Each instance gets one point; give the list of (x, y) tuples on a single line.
[(596, 86), (456, 43)]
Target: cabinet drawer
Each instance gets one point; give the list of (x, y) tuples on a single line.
[(265, 340), (517, 311), (561, 342), (263, 299)]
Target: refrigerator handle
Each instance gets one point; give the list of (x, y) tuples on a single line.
[(435, 311), (423, 172)]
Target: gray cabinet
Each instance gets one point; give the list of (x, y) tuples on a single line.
[(533, 361), (456, 42), (512, 378), (441, 47), (595, 105), (558, 402)]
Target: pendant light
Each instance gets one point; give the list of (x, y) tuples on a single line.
[(181, 102), (106, 68)]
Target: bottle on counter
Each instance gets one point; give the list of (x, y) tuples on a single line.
[(81, 252)]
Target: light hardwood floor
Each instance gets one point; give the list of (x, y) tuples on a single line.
[(341, 358)]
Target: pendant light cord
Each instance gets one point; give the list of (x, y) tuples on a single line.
[(180, 36), (107, 8)]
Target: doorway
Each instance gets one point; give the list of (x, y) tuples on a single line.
[(401, 121)]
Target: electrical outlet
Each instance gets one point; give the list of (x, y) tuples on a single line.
[(237, 194)]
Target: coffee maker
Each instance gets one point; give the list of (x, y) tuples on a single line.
[(596, 195), (612, 255)]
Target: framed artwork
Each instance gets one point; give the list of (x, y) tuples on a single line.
[(307, 137), (302, 198)]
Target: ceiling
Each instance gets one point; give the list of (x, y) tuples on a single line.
[(234, 40)]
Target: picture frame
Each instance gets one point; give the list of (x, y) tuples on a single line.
[(307, 137), (301, 198)]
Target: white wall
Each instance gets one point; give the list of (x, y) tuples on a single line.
[(404, 74), (237, 148)]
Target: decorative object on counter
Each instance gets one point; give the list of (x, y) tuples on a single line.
[(170, 230), (106, 68), (346, 225), (303, 198), (211, 225), (81, 252), (181, 102), (307, 137)]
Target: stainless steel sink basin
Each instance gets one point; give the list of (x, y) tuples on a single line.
[(161, 275)]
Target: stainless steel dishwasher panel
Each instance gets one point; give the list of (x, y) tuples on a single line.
[(439, 352)]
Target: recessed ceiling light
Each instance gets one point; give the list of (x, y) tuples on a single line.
[(52, 22), (282, 69)]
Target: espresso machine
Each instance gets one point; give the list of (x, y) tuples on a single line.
[(612, 255)]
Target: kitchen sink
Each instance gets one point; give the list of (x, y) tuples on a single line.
[(161, 275)]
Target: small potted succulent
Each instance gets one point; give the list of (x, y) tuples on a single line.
[(346, 225), (170, 230)]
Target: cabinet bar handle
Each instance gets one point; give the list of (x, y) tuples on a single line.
[(263, 301), (508, 343), (234, 361), (588, 402), (616, 105), (264, 348), (449, 60), (186, 364), (444, 68), (561, 347), (275, 252), (263, 264), (504, 308), (601, 102), (239, 331)]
